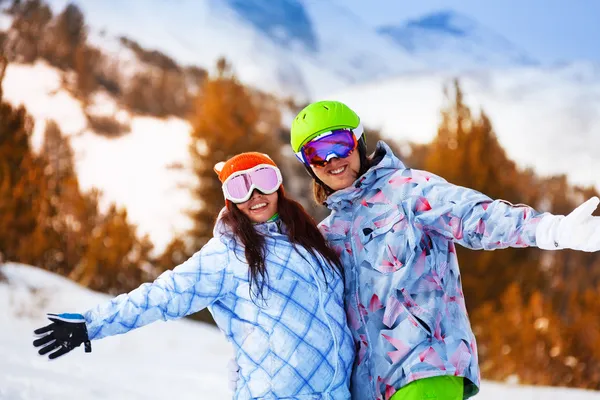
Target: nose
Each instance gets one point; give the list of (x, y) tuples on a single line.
[(331, 157), (334, 161), (255, 193)]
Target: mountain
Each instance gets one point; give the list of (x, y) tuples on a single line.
[(288, 47), (448, 40), (286, 22), (178, 359), (299, 48), (303, 49)]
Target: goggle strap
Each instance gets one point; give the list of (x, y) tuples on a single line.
[(358, 132), (247, 171)]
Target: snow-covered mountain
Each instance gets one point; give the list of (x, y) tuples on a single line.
[(282, 46), (293, 47), (448, 40), (177, 359)]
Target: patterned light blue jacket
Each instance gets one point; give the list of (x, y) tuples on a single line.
[(294, 345), (395, 230)]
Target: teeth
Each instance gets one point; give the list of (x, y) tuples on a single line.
[(259, 205), (337, 171)]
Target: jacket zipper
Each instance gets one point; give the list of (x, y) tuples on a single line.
[(357, 299), (335, 342)]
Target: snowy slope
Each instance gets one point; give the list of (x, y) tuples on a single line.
[(131, 170), (181, 359), (178, 359), (548, 119), (449, 40)]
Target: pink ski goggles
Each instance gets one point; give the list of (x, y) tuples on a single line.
[(338, 143), (239, 186)]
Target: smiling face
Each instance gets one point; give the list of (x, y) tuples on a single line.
[(339, 173), (260, 207)]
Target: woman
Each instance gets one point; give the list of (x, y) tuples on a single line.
[(395, 230), (271, 282)]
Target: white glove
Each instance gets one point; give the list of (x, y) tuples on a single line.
[(233, 374), (577, 231)]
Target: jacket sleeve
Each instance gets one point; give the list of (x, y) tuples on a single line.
[(471, 218), (188, 288)]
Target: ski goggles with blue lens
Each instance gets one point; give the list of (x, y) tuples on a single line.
[(338, 143)]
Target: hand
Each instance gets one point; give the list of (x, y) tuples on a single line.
[(233, 374), (577, 231), (66, 332)]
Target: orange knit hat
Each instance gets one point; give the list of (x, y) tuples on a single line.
[(241, 162)]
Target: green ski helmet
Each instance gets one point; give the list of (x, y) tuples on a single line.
[(322, 116)]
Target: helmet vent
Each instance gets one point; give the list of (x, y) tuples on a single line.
[(325, 107), (304, 116)]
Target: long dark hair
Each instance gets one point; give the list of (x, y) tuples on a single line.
[(301, 230)]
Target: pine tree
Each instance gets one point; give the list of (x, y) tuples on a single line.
[(30, 19), (532, 311), (87, 61), (21, 185), (466, 152), (64, 205), (114, 259), (64, 37)]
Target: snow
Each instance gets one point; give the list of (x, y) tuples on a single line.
[(5, 21), (131, 170), (178, 359), (38, 87), (545, 118)]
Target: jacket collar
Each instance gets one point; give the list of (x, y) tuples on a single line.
[(273, 226)]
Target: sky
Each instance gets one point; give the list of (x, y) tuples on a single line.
[(551, 31)]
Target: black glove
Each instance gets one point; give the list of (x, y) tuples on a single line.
[(66, 332)]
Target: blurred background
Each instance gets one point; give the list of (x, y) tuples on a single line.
[(113, 114)]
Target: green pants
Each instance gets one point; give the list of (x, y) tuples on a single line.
[(436, 388)]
